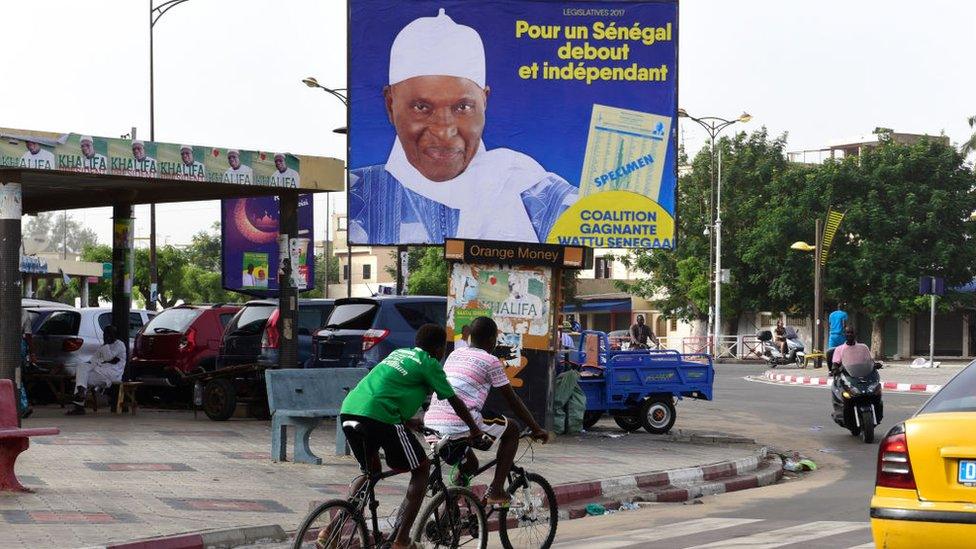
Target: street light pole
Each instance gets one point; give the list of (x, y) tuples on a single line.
[(714, 125), (817, 291), (155, 13)]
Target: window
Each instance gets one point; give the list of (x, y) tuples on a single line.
[(416, 314), (251, 319), (312, 318), (225, 319), (104, 320), (956, 396), (353, 316), (345, 272), (61, 323), (173, 321), (367, 271), (135, 324), (603, 267)]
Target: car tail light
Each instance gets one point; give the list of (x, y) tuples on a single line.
[(189, 340), (72, 344), (894, 465), (271, 334), (372, 337)]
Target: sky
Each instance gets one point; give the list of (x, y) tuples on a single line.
[(228, 73)]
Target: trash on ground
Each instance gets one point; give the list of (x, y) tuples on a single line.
[(816, 428), (629, 506), (694, 502), (923, 363), (795, 466), (595, 509), (829, 450)]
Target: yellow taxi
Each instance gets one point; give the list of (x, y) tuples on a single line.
[(925, 491)]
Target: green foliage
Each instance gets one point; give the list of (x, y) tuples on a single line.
[(430, 275), (63, 231)]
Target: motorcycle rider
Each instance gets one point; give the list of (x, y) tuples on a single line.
[(779, 337), (837, 353)]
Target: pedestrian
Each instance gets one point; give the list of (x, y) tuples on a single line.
[(837, 321)]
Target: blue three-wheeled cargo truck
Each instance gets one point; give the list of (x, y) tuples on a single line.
[(638, 387)]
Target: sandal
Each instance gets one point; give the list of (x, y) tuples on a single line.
[(500, 501)]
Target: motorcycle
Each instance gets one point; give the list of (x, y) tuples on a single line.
[(856, 392), (771, 353)]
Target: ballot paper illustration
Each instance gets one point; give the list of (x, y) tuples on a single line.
[(625, 151)]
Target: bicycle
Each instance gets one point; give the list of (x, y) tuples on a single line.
[(454, 516), (534, 507)]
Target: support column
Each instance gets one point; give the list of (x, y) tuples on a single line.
[(11, 197), (287, 293), (84, 292), (401, 270), (123, 267)]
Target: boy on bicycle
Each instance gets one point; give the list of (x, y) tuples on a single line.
[(473, 371), (381, 406)]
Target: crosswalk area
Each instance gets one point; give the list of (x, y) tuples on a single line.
[(734, 533)]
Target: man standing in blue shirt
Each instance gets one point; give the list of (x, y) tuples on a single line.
[(838, 322)]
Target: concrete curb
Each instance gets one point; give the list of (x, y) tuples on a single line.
[(887, 385), (675, 485), (216, 539)]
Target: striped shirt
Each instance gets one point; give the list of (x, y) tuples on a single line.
[(472, 372)]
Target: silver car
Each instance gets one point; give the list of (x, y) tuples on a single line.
[(69, 337)]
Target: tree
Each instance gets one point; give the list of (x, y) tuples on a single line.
[(970, 144), (908, 215), (429, 277), (63, 232), (324, 265), (678, 279), (101, 290), (205, 249)]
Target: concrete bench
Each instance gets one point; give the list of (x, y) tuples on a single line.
[(301, 398), (13, 439)]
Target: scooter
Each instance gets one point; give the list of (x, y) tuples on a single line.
[(771, 353), (856, 392)]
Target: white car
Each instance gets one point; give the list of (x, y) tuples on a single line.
[(69, 337)]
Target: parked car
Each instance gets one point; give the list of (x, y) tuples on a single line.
[(925, 488), (179, 341), (253, 335), (71, 336), (363, 331)]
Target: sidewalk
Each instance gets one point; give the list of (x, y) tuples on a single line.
[(896, 376), (110, 478)]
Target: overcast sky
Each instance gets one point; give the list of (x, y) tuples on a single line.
[(228, 73)]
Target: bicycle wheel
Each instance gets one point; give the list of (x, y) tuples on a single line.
[(452, 518), (534, 515), (335, 524)]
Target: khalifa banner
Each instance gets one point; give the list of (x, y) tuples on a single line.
[(72, 152), (249, 229), (514, 120)]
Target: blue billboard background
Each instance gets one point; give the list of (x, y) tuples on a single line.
[(548, 120), (249, 230)]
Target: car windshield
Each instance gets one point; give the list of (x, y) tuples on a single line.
[(60, 323), (251, 319), (352, 316), (172, 321), (959, 395)]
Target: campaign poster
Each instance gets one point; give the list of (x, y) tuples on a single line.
[(249, 230), (535, 121), (71, 152)]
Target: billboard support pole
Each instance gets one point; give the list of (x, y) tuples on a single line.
[(401, 270), (10, 279), (122, 252), (287, 293)]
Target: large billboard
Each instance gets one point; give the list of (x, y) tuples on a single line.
[(250, 247), (513, 120), (71, 152)]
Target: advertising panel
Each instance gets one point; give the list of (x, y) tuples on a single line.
[(76, 153), (251, 257), (513, 120)]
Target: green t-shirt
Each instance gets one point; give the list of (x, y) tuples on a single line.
[(394, 389)]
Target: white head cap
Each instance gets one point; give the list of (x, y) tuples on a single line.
[(85, 138), (279, 155), (234, 152), (138, 142), (186, 148), (437, 46)]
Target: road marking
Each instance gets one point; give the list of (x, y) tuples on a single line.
[(869, 545), (788, 536), (656, 533)]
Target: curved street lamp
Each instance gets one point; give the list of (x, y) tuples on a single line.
[(714, 126)]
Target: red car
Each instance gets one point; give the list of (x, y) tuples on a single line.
[(179, 341)]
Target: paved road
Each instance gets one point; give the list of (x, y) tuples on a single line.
[(826, 509)]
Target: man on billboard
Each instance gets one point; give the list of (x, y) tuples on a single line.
[(91, 160), (283, 176), (36, 157), (189, 167), (237, 173), (440, 181), (144, 164)]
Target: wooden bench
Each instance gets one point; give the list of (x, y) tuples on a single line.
[(62, 385), (13, 439), (302, 398)]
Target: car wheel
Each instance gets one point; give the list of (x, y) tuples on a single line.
[(590, 419), (219, 399), (658, 415)]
